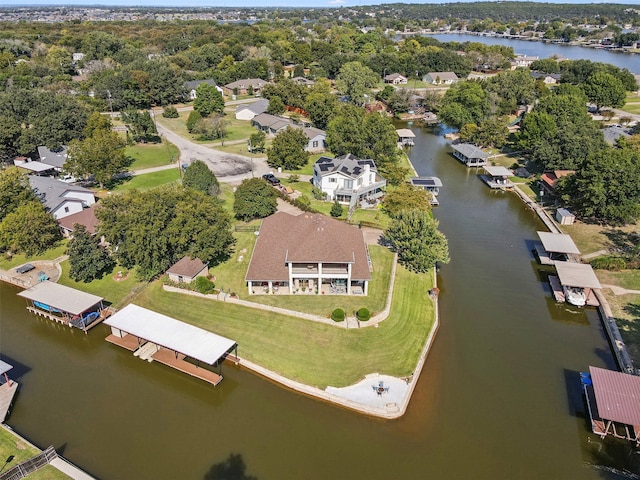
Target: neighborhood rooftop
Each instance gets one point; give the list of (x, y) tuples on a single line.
[(577, 275), (54, 158), (348, 164), (53, 192), (470, 151), (558, 243), (187, 266), (86, 217), (35, 166), (426, 182), (305, 238), (63, 298), (170, 333)]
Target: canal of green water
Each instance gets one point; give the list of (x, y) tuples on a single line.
[(499, 396)]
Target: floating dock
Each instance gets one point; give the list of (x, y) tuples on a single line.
[(8, 390)]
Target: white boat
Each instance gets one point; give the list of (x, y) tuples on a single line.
[(575, 296)]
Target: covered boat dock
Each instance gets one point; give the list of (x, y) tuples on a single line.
[(470, 155), (65, 305), (613, 401), (575, 275), (430, 184), (555, 247), (497, 177), (153, 336), (8, 390)]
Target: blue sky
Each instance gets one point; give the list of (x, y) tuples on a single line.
[(240, 3)]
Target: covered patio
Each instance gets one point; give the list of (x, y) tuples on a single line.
[(153, 336), (65, 305)]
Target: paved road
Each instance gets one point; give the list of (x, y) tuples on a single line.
[(228, 167)]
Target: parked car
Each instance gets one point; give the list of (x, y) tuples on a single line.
[(271, 178)]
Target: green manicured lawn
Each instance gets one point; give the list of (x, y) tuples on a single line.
[(311, 352), (149, 180), (629, 279), (152, 155), (375, 216), (19, 259), (632, 108), (111, 290), (12, 445), (308, 168), (236, 129), (626, 310)]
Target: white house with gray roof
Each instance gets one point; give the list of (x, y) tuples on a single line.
[(60, 198), (348, 179), (250, 110), (190, 87)]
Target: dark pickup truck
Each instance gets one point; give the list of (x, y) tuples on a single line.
[(271, 178)]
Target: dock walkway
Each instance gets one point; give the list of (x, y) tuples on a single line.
[(7, 392)]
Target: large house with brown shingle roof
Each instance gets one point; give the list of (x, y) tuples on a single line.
[(308, 254)]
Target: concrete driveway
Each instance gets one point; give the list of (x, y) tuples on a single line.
[(228, 167)]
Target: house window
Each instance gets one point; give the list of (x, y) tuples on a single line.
[(66, 209), (348, 184), (332, 180), (315, 144), (359, 181)]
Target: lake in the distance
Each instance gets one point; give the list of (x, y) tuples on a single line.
[(546, 50)]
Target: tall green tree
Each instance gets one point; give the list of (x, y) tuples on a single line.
[(414, 235), (88, 259), (465, 102), (254, 198), (288, 149), (604, 90), (355, 81), (28, 229), (14, 191), (208, 100), (102, 156), (405, 197), (200, 177), (605, 187)]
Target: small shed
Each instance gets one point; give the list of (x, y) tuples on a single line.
[(187, 269), (565, 217), (405, 137)]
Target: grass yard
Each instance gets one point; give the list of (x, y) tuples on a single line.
[(310, 352), (149, 180), (111, 290), (626, 310), (375, 216), (13, 445), (591, 238), (629, 279), (308, 168), (633, 108), (152, 155), (19, 259), (236, 129)]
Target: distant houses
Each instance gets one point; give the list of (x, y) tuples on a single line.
[(395, 79), (272, 125), (440, 78), (242, 87), (191, 87)]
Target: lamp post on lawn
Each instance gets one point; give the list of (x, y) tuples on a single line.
[(7, 461)]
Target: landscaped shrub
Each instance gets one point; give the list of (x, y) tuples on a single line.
[(609, 263), (170, 112), (203, 285), (363, 314), (338, 315)]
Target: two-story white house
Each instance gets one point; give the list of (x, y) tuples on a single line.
[(60, 198), (348, 179)]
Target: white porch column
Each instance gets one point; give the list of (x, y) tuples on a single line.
[(250, 286), (270, 290), (349, 278), (290, 267), (366, 287), (319, 277)]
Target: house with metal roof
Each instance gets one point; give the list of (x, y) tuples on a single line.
[(308, 254), (60, 198), (470, 155), (248, 111), (348, 179)]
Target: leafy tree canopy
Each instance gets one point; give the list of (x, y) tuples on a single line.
[(208, 100), (254, 198), (89, 260), (14, 191), (604, 90), (465, 102), (405, 197), (414, 235), (29, 229), (355, 81), (200, 177), (288, 149)]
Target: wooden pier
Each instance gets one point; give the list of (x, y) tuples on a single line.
[(169, 358), (7, 392)]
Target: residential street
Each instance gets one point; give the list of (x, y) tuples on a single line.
[(228, 167)]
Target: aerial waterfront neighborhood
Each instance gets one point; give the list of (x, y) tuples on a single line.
[(385, 227)]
